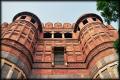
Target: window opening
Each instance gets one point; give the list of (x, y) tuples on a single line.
[(94, 19), (57, 35), (23, 17), (47, 35), (85, 21), (58, 55), (68, 35), (32, 20)]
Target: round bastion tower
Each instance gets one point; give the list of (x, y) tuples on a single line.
[(18, 45), (97, 45)]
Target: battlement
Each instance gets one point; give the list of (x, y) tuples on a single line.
[(58, 25)]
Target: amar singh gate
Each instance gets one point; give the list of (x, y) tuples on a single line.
[(35, 50)]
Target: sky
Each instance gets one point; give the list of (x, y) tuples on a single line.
[(51, 11)]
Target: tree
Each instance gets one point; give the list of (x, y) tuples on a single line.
[(116, 45), (109, 10)]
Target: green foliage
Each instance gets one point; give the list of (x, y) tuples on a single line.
[(109, 10), (116, 45)]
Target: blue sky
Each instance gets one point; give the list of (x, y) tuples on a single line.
[(53, 11)]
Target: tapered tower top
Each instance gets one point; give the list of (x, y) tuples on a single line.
[(85, 16), (34, 18)]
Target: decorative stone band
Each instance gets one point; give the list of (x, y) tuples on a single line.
[(13, 72), (88, 26), (47, 65), (108, 71), (19, 47), (113, 58), (14, 60), (97, 50), (65, 76)]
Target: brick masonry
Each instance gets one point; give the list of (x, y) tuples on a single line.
[(87, 54)]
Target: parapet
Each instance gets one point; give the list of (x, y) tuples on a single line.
[(28, 16), (57, 25), (84, 19)]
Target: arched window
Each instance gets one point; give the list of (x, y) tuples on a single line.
[(47, 35), (57, 35), (94, 19), (85, 21), (68, 35), (32, 20), (23, 17)]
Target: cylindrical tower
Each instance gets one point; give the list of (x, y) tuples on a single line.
[(18, 45), (97, 46)]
